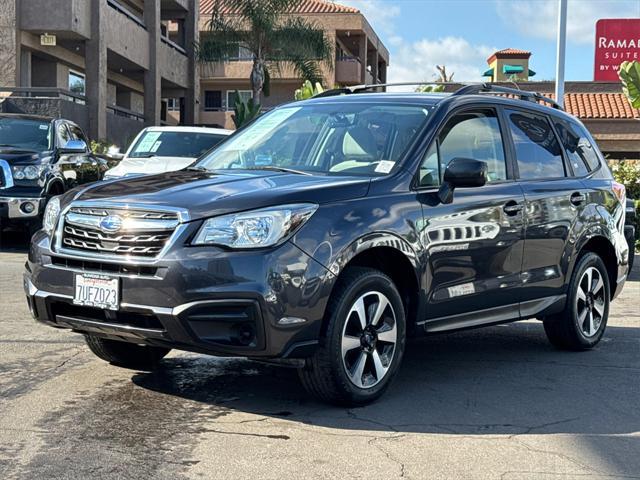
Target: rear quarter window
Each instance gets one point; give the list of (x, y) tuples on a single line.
[(581, 153)]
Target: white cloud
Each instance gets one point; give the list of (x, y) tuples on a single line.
[(538, 18), (380, 14), (417, 61)]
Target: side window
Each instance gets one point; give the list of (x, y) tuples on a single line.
[(580, 151), (77, 134), (537, 149), (473, 134), (63, 134)]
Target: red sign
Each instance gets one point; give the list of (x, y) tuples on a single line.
[(617, 41)]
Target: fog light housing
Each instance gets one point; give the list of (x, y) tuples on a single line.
[(27, 207)]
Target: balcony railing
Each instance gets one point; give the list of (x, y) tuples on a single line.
[(172, 44), (124, 112), (126, 12), (42, 92)]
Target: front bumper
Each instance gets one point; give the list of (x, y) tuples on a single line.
[(204, 299), (16, 208)]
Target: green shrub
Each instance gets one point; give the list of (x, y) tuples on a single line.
[(308, 90), (101, 146), (244, 111), (627, 172)]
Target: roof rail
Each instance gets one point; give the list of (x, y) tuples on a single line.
[(363, 88), (499, 90)]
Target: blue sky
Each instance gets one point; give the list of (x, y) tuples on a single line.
[(463, 33)]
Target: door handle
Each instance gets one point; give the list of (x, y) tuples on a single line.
[(577, 198), (512, 207)]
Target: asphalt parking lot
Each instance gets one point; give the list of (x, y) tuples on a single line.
[(498, 403)]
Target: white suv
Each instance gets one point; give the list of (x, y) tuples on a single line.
[(164, 149)]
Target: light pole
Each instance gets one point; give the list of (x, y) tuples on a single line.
[(560, 50)]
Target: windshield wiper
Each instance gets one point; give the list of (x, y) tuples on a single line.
[(274, 168), (144, 155), (195, 168)]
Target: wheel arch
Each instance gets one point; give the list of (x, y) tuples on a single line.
[(602, 246), (391, 255)]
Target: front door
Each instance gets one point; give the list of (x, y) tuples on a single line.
[(474, 245)]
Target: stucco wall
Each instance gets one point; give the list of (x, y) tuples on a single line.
[(8, 49), (62, 16)]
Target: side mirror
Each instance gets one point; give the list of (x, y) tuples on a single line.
[(462, 173), (74, 146)]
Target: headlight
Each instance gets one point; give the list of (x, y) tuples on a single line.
[(28, 172), (256, 228), (51, 213)]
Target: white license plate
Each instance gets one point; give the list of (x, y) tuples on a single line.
[(97, 291)]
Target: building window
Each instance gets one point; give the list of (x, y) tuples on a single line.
[(173, 104), (212, 100), (245, 95), (76, 82)]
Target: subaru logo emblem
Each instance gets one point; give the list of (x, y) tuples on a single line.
[(111, 223)]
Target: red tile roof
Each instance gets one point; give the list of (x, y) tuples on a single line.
[(509, 52), (614, 106), (305, 6), (599, 105)]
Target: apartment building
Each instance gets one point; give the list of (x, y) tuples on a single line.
[(360, 57), (113, 66)]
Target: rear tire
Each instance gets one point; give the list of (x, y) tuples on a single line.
[(582, 323), (361, 351), (126, 355)]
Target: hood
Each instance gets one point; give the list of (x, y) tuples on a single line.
[(205, 194), (16, 156), (150, 166)]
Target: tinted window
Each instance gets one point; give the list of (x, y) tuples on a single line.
[(153, 143), (212, 100), (537, 149), (24, 133), (77, 134), (63, 134), (473, 135), (580, 152)]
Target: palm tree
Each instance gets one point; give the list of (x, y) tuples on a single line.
[(271, 36)]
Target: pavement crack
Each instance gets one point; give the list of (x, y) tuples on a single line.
[(248, 434)]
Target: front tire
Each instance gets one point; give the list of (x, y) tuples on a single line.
[(126, 355), (582, 323), (362, 348)]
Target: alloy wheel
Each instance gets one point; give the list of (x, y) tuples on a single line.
[(369, 339), (590, 302)]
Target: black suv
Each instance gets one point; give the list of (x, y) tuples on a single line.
[(40, 157), (326, 232)]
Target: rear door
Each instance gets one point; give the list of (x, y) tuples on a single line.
[(553, 202), (474, 244)]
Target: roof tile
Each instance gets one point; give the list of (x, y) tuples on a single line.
[(305, 6)]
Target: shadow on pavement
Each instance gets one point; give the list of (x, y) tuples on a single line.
[(14, 241), (500, 380)]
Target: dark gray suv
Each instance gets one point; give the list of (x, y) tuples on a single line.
[(326, 232)]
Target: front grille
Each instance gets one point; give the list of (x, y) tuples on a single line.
[(101, 267), (124, 318), (137, 233)]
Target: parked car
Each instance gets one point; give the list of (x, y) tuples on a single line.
[(165, 149), (40, 157), (630, 233), (328, 231)]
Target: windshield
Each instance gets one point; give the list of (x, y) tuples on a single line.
[(339, 138), (174, 144), (21, 133)]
